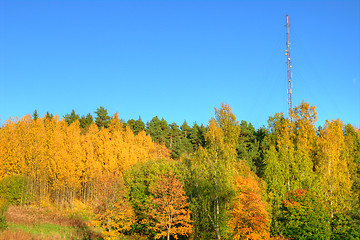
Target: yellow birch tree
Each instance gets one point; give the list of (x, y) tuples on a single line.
[(332, 167)]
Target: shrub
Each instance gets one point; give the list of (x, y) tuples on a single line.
[(304, 216), (13, 189), (343, 227), (3, 210)]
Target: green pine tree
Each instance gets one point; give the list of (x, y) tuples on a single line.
[(102, 118)]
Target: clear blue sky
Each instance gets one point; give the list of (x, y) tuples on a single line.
[(179, 59)]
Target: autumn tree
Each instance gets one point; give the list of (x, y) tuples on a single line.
[(352, 155), (332, 168), (290, 155), (57, 158), (278, 158), (138, 178), (303, 135), (91, 165), (169, 208), (114, 213), (10, 149), (75, 166), (249, 217), (37, 160), (62, 163), (210, 176)]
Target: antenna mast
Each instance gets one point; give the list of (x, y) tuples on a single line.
[(287, 53)]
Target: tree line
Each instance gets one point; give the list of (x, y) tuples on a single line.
[(227, 180), (178, 139)]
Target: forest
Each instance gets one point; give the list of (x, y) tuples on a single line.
[(291, 179)]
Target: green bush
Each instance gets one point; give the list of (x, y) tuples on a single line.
[(13, 189), (138, 179), (343, 228), (304, 216), (3, 210)]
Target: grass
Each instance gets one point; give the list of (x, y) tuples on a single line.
[(45, 230), (33, 223), (37, 223)]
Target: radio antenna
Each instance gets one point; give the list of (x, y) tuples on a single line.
[(287, 53)]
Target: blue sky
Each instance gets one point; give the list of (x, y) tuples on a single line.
[(179, 59)]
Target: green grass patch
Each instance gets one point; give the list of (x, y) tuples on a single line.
[(45, 229)]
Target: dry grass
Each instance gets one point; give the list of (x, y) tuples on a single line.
[(18, 235), (36, 219), (21, 235), (34, 215)]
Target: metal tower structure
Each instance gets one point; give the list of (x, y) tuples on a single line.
[(287, 53)]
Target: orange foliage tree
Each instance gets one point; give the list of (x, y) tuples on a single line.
[(170, 208), (249, 217), (114, 213)]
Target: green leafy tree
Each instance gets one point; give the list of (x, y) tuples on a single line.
[(138, 179), (289, 156), (13, 189), (304, 216), (3, 211), (278, 159), (181, 146), (344, 228), (211, 171), (275, 177)]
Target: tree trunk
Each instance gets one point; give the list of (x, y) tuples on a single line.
[(169, 228), (217, 230)]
